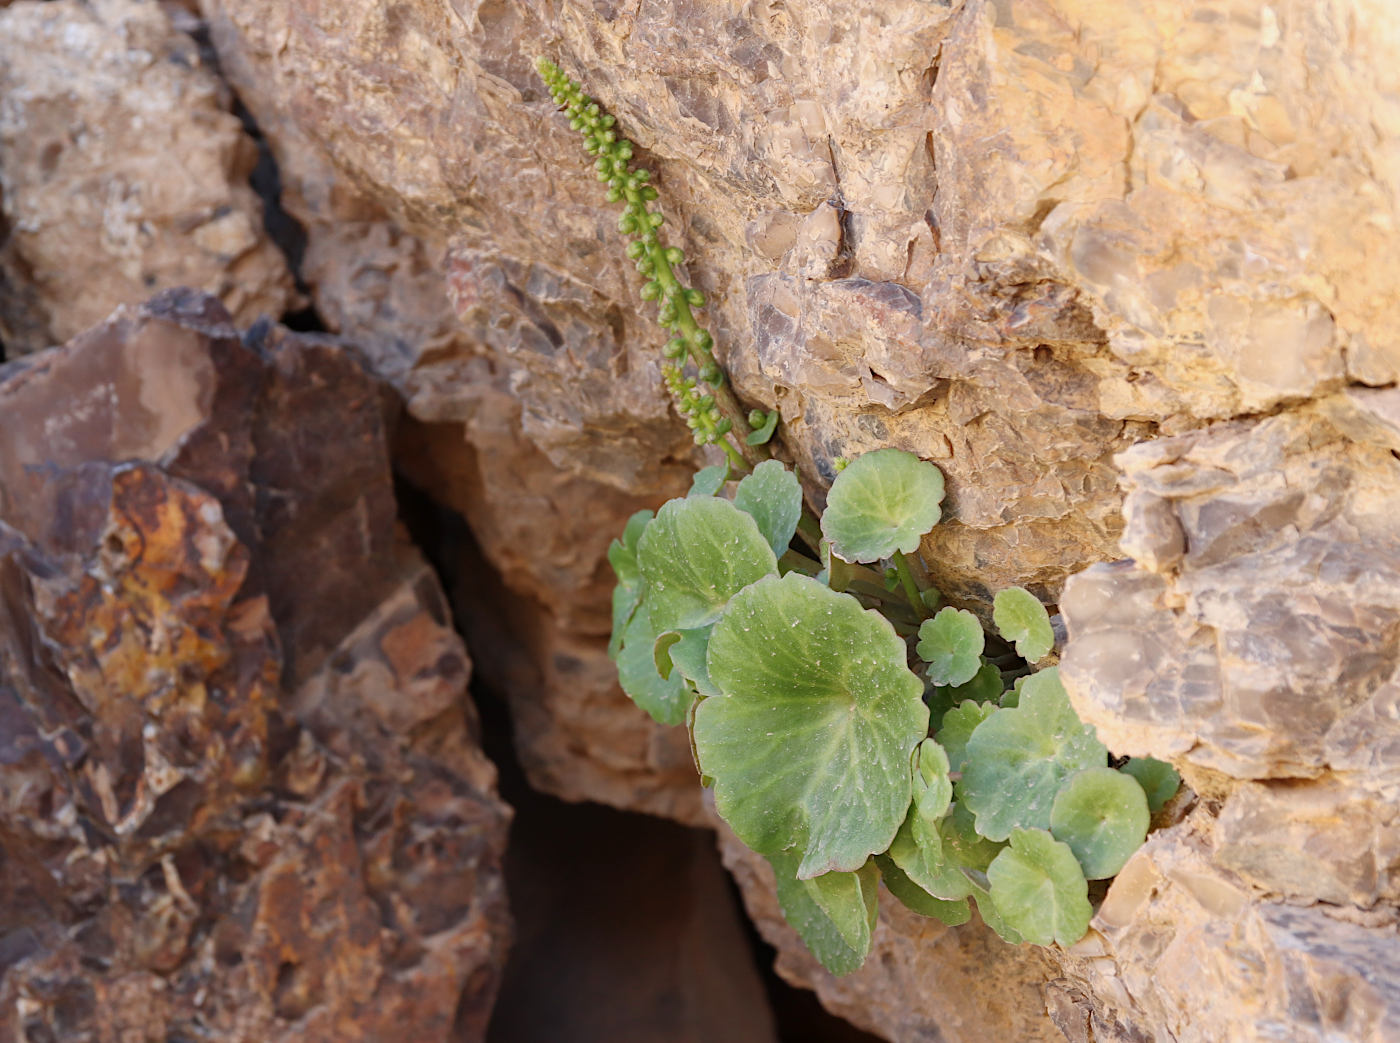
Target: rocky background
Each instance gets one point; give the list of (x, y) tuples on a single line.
[(1126, 272)]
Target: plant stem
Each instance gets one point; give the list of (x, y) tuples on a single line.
[(810, 530), (911, 587), (795, 562)]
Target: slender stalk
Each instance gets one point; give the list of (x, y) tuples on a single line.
[(810, 530), (795, 562), (911, 587)]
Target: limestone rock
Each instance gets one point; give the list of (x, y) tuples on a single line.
[(241, 790), (122, 172), (1252, 638), (1017, 239), (1271, 622), (1201, 959)]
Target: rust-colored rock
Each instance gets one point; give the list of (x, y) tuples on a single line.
[(240, 788)]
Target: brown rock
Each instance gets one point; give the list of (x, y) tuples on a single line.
[(204, 835), (1016, 239), (121, 172)]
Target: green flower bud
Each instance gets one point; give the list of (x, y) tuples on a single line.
[(651, 290), (626, 224), (694, 298), (675, 254), (724, 426), (757, 418), (643, 175), (710, 373), (656, 219), (649, 193), (702, 340), (635, 250), (674, 349)]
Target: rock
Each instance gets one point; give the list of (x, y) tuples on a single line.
[(242, 789), (1018, 239), (1191, 948), (1242, 655), (122, 172), (1252, 641)]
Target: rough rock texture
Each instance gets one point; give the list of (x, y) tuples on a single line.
[(541, 419), (1255, 637), (1016, 238), (122, 172), (241, 795)]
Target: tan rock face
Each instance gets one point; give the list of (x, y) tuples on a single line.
[(1017, 239), (121, 173), (240, 784)]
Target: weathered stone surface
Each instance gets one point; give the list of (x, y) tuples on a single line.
[(1185, 950), (1253, 637), (1016, 239), (242, 796), (1240, 651), (122, 172)]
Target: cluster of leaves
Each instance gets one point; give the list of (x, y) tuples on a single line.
[(852, 734), (853, 728)]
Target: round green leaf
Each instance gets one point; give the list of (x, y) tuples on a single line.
[(985, 687), (1102, 815), (666, 699), (962, 844), (696, 555), (1022, 620), (773, 496), (709, 480), (883, 502), (1039, 889), (1017, 758), (917, 899), (627, 595), (809, 741), (958, 725), (919, 852), (828, 913), (1158, 779), (951, 644), (987, 909), (933, 790), (689, 654)]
